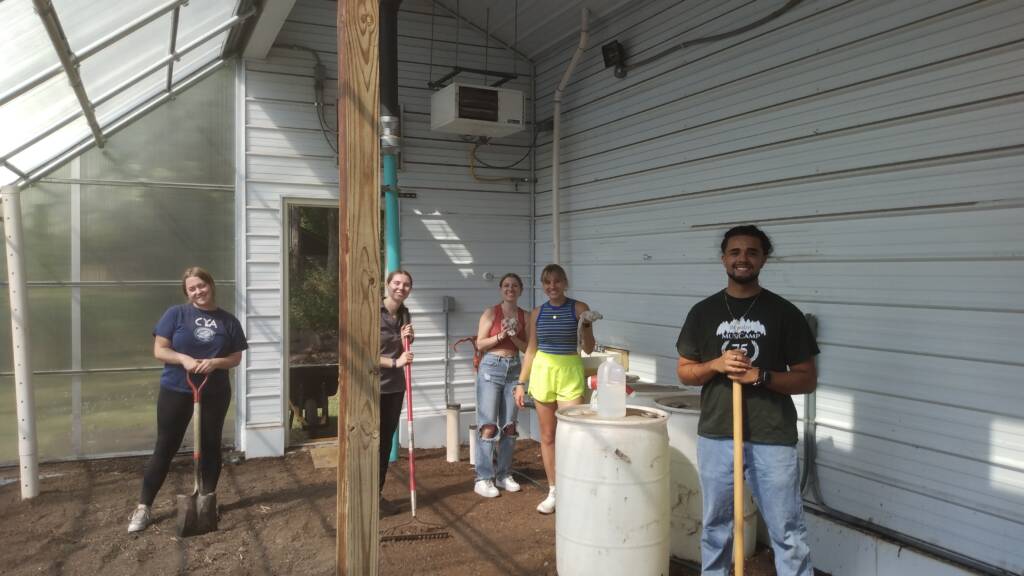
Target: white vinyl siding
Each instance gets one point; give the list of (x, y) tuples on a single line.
[(881, 146), (453, 232)]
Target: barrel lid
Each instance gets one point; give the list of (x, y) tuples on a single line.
[(648, 389), (635, 415), (688, 402)]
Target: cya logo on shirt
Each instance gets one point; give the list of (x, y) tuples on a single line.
[(205, 329)]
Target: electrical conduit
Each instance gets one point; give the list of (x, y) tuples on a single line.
[(557, 129)]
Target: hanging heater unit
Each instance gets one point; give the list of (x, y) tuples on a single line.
[(477, 111)]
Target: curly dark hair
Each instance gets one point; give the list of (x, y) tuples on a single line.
[(752, 231)]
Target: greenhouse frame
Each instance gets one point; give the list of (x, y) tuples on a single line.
[(880, 145)]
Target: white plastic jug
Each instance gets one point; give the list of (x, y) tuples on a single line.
[(611, 384)]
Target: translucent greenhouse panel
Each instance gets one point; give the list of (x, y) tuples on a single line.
[(136, 233), (199, 57), (6, 176), (188, 139), (126, 57), (118, 322), (33, 112), (119, 412), (36, 156), (85, 23), (113, 109), (24, 43), (50, 330), (53, 418), (201, 17), (46, 223)]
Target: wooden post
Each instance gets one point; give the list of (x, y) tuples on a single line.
[(359, 287)]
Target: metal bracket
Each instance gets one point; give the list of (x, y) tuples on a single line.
[(456, 70)]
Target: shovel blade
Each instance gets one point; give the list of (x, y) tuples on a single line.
[(197, 514)]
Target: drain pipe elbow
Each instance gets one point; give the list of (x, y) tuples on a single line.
[(557, 131)]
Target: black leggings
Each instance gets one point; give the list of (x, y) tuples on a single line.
[(173, 413), (390, 412)]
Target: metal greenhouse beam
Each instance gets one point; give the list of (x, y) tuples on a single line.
[(70, 63), (359, 286), (14, 244), (142, 75), (91, 49)]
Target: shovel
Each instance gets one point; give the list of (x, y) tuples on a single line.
[(197, 512)]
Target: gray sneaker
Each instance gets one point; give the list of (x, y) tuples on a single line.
[(140, 519)]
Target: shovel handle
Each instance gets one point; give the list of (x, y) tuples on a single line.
[(197, 425), (737, 476)]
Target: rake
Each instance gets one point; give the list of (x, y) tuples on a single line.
[(413, 529)]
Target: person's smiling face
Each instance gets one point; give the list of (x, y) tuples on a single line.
[(743, 259), (554, 287), (511, 290), (399, 287), (199, 293)]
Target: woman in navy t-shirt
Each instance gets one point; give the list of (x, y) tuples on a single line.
[(200, 338)]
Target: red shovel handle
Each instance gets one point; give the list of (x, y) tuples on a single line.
[(196, 390), (408, 416)]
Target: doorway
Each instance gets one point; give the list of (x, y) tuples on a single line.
[(311, 319)]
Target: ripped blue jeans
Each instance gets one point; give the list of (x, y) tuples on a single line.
[(496, 407)]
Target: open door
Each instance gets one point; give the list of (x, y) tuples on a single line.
[(311, 320)]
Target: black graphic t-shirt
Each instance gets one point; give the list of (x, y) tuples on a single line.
[(774, 334)]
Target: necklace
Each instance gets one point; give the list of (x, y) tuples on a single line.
[(749, 308)]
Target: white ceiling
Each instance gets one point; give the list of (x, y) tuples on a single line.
[(533, 26)]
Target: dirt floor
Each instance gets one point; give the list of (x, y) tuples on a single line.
[(277, 517)]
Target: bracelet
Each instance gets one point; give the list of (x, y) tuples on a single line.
[(587, 324), (394, 363)]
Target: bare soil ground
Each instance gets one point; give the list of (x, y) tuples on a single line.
[(277, 517)]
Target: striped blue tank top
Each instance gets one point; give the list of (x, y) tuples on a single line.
[(556, 328)]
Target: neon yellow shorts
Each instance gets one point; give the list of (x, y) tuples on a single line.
[(556, 377)]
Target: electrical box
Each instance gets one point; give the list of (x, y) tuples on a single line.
[(477, 111)]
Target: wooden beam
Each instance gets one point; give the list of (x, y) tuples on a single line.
[(359, 284)]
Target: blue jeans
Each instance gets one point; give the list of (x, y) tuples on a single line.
[(773, 474), (495, 406)]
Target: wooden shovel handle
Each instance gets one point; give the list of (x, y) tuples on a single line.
[(737, 476)]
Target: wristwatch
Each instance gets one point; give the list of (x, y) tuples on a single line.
[(764, 377)]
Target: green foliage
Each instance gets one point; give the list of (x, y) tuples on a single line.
[(313, 303)]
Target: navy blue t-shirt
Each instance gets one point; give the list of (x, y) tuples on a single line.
[(200, 334)]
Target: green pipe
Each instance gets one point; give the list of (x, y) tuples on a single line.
[(392, 244)]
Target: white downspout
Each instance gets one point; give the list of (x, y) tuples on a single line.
[(557, 130), (28, 457)]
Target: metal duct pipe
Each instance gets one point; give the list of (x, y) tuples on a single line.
[(390, 140), (28, 455), (557, 130)]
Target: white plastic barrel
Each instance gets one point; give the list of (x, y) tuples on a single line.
[(613, 487), (684, 492)]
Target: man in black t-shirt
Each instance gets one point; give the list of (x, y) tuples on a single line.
[(759, 339)]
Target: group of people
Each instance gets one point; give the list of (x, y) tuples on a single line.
[(543, 345), (743, 334)]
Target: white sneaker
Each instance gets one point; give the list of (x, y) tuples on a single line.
[(508, 483), (548, 505), (140, 519), (485, 488)]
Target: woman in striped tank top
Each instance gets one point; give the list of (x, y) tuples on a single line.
[(553, 366)]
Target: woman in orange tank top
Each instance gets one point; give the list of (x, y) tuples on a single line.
[(501, 336)]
